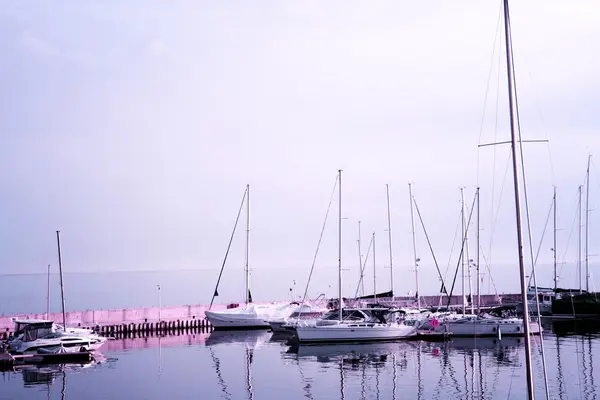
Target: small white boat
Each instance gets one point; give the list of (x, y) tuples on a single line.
[(20, 325), (45, 335), (477, 326), (304, 312), (361, 325), (354, 332), (250, 316)]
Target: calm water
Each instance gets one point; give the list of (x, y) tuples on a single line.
[(255, 365)]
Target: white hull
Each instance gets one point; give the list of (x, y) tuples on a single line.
[(224, 320), (70, 343), (354, 332), (487, 327)]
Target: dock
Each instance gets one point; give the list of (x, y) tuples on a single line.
[(8, 361)]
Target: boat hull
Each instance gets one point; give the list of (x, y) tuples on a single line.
[(74, 344), (353, 333), (487, 328), (220, 320)]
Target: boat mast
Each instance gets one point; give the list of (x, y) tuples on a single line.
[(246, 269), (340, 243), (360, 263), (579, 240), (414, 242), (62, 287), (469, 267), (554, 239), (462, 253), (587, 215), (387, 192), (48, 294), (511, 94), (477, 259), (374, 271)]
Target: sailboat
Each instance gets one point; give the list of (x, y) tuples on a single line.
[(250, 316), (375, 328)]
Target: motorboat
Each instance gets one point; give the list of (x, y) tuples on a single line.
[(20, 325), (373, 326), (46, 335)]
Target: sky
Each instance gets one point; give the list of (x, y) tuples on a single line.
[(133, 128)]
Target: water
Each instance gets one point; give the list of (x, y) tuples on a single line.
[(256, 365)]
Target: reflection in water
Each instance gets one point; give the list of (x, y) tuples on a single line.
[(217, 368), (251, 340), (343, 392), (559, 371), (249, 355), (455, 369), (45, 374), (590, 352)]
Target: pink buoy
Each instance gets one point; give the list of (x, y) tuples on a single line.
[(434, 323)]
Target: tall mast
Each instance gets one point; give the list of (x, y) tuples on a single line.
[(62, 286), (511, 101), (469, 266), (387, 192), (554, 239), (416, 261), (579, 240), (462, 253), (246, 269), (587, 215), (340, 243), (374, 271), (477, 259), (360, 263), (48, 294)]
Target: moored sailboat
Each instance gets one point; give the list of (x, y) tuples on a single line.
[(343, 330)]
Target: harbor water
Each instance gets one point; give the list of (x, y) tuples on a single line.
[(261, 365)]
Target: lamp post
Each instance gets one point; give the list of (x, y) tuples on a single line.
[(159, 303)]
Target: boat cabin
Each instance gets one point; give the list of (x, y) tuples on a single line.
[(21, 324)]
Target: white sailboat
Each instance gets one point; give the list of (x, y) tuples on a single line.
[(249, 316), (344, 330)]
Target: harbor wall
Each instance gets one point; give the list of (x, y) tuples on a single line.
[(125, 316), (194, 315)]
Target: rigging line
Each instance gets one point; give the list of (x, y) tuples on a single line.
[(564, 255), (363, 266), (429, 242), (458, 225), (487, 88), (595, 171), (487, 266), (495, 149), (527, 214), (462, 248), (320, 240), (495, 217), (541, 241), (228, 248)]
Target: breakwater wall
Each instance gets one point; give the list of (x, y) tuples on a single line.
[(166, 319), (126, 320)]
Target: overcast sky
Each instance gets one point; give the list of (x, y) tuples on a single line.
[(133, 128)]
